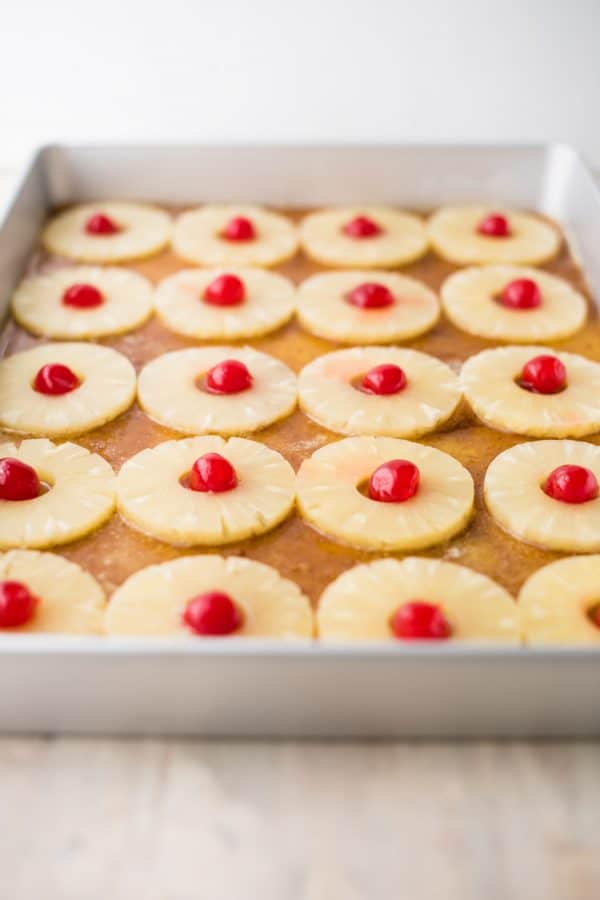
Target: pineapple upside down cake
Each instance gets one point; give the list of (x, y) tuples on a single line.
[(206, 433)]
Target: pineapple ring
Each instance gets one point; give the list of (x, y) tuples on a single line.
[(490, 386), (402, 240), (267, 305), (70, 600), (328, 496), (453, 235), (168, 392), (327, 393), (196, 237), (80, 499), (38, 307), (359, 604), (323, 310), (151, 602), (555, 602), (145, 231), (107, 388), (152, 498), (468, 301), (514, 496)]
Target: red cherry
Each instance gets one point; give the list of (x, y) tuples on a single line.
[(571, 484), (100, 225), (212, 473), (494, 225), (239, 229), (212, 614), (394, 481), (225, 290), (523, 293), (361, 227), (18, 481), (17, 604), (228, 377), (82, 296), (384, 379), (421, 621), (594, 615), (370, 295), (55, 379), (543, 375)]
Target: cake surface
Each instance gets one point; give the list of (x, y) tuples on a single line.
[(115, 551)]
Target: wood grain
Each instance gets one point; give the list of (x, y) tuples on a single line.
[(177, 820)]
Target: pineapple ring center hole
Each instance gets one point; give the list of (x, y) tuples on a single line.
[(184, 480), (46, 483), (200, 383), (519, 383), (363, 488), (357, 383), (592, 613)]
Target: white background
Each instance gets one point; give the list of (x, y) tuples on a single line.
[(306, 70)]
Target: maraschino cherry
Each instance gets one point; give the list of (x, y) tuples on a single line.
[(361, 227), (228, 377), (17, 604), (571, 484), (55, 379), (544, 374), (370, 295), (394, 481), (419, 620), (495, 225), (101, 225), (212, 473), (384, 379), (18, 481), (82, 296), (212, 614), (522, 293), (225, 290), (239, 229)]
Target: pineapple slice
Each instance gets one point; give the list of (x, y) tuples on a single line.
[(490, 382), (107, 385), (151, 603), (470, 300), (329, 495), (454, 234), (171, 391), (559, 603), (267, 302), (392, 238), (360, 603), (80, 495), (268, 238), (331, 392), (513, 490), (69, 599), (324, 308), (154, 495), (128, 231), (116, 300)]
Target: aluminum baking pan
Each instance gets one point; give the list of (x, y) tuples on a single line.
[(247, 687)]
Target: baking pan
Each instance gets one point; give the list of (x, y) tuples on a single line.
[(248, 687)]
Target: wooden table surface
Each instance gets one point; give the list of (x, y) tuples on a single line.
[(225, 820), (102, 819)]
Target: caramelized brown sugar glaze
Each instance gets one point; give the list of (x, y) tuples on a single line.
[(115, 551)]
